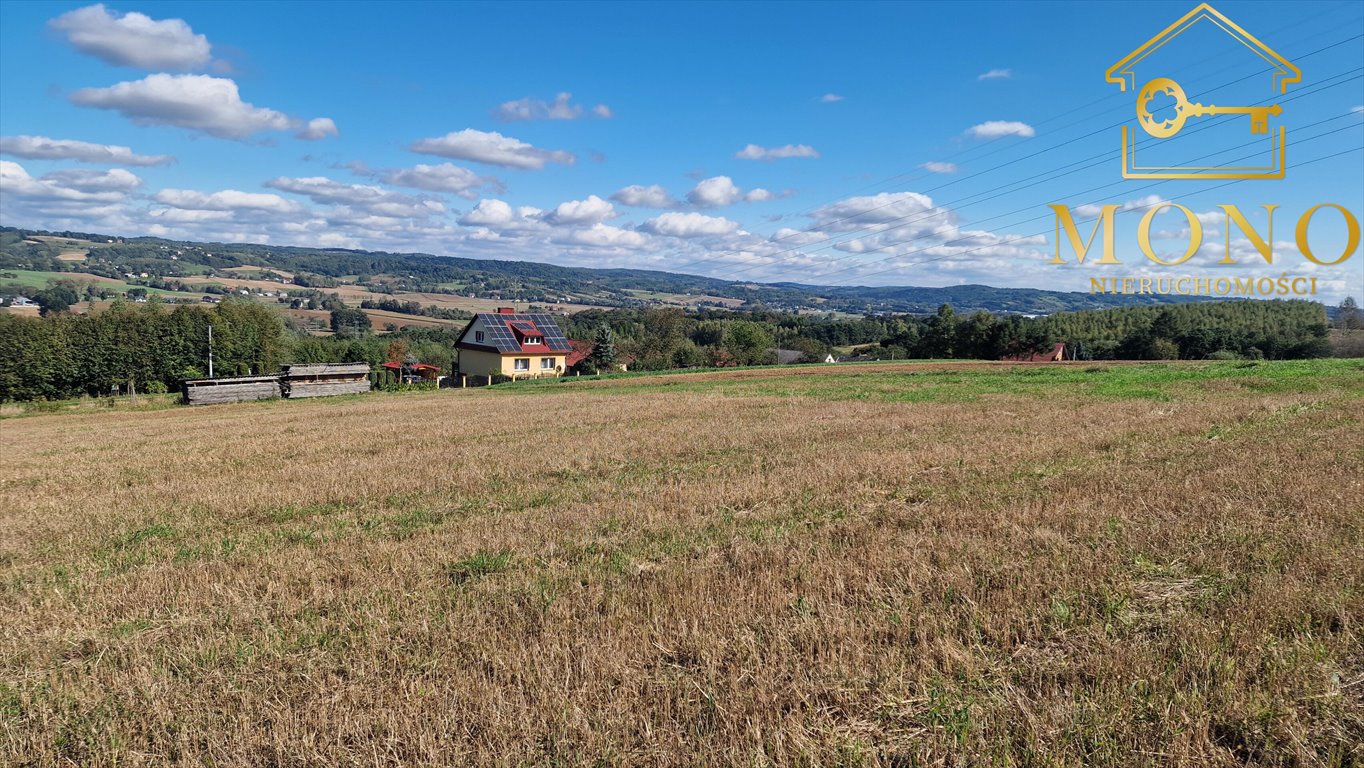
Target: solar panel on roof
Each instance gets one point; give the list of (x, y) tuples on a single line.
[(498, 331), (554, 338), (498, 335)]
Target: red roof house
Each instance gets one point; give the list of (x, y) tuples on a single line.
[(512, 344)]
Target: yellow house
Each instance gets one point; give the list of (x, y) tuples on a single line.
[(520, 346)]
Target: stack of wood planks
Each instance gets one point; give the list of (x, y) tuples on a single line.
[(323, 379), (231, 390), (305, 380)]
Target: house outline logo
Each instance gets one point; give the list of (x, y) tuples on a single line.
[(1283, 73)]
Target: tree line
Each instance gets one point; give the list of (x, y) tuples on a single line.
[(670, 338), (150, 347)]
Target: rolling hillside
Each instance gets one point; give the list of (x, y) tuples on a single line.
[(482, 279)]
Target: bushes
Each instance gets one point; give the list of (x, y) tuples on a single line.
[(385, 380)]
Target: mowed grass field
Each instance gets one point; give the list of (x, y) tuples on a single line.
[(874, 565)]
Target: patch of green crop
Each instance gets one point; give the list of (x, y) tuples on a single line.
[(915, 383), (478, 565)]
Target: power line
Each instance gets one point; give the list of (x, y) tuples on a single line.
[(1107, 98), (1122, 107), (1000, 191), (1022, 238), (931, 213), (1029, 156)]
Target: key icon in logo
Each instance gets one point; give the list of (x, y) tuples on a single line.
[(1164, 129)]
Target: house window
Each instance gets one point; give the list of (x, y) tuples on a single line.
[(521, 364), (534, 340), (478, 336), (546, 363)]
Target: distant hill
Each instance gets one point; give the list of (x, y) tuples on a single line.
[(519, 281), (969, 298)]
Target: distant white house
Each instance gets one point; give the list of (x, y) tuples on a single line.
[(22, 301)]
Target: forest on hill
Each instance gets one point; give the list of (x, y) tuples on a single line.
[(166, 262)]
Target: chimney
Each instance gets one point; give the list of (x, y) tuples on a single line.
[(506, 310)]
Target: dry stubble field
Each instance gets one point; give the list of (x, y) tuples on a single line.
[(880, 565)]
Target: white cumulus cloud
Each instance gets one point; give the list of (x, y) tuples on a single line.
[(996, 74), (197, 102), (602, 236), (44, 148), (994, 129), (934, 166), (133, 39), (593, 210), (112, 180), (371, 200), (491, 148), (855, 213), (444, 177), (489, 213), (830, 98), (638, 196), (317, 129), (789, 237), (562, 108), (714, 192), (66, 186), (755, 152), (685, 225), (225, 200)]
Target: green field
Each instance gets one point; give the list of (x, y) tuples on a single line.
[(24, 278), (958, 382), (31, 279), (912, 564)]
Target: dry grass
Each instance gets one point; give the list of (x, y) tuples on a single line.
[(1116, 566)]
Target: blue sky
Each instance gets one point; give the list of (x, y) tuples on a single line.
[(914, 144)]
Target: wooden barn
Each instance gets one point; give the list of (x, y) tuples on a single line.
[(1057, 354), (231, 390), (323, 379)]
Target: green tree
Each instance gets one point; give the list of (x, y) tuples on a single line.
[(350, 323), (604, 356), (1164, 349), (749, 343), (1348, 316), (940, 337), (56, 298), (663, 331), (976, 336)]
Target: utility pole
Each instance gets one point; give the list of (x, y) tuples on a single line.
[(210, 351)]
